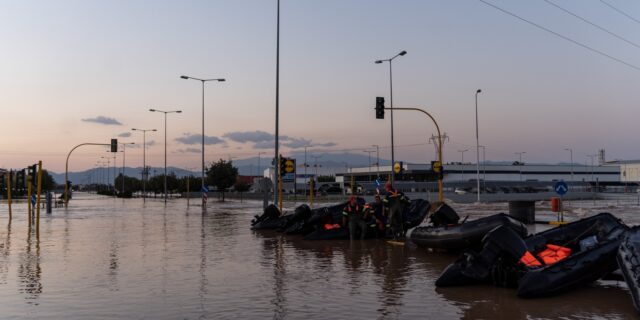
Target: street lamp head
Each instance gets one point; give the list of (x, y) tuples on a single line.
[(134, 129), (184, 77), (403, 52), (153, 130), (378, 61), (152, 110), (222, 80), (479, 90), (179, 111)]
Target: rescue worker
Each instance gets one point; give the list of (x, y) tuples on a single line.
[(395, 203), (378, 214), (355, 214)]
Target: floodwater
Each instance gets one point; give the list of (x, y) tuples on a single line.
[(122, 259)]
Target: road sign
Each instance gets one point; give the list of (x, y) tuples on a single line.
[(561, 187), (436, 166), (290, 165), (288, 177), (397, 167)]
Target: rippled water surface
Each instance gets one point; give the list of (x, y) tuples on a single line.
[(122, 259)]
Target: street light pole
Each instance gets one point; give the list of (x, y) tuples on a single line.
[(390, 60), (144, 161), (477, 149), (124, 157), (165, 147), (520, 162), (204, 199), (462, 163), (315, 163), (305, 171), (377, 160), (570, 161), (108, 171), (484, 166)]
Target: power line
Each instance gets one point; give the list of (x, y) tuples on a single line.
[(561, 36), (619, 11), (593, 24)]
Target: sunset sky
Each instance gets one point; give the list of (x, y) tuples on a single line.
[(88, 71)]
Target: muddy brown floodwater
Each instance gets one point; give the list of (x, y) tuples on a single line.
[(124, 259)]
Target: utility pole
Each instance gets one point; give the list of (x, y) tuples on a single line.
[(462, 163), (434, 140)]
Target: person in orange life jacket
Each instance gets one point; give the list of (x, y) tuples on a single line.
[(356, 216)]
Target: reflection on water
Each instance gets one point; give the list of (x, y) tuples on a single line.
[(5, 250), (120, 259), (29, 270)]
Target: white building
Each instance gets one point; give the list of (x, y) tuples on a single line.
[(456, 172)]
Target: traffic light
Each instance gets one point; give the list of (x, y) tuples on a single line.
[(379, 107), (32, 173), (21, 182), (114, 145)]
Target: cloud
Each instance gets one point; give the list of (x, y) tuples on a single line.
[(328, 144), (125, 135), (249, 136), (265, 140), (103, 120), (193, 139), (189, 150), (263, 145), (296, 143)]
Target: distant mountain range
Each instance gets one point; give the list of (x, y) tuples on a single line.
[(327, 163)]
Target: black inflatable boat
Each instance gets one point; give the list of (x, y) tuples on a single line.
[(307, 221), (412, 217), (629, 262), (270, 219), (460, 236), (593, 243)]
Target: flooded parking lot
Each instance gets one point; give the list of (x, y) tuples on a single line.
[(116, 259)]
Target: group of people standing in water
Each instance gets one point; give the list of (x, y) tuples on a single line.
[(378, 216)]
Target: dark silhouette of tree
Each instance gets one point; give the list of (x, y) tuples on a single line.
[(241, 186), (222, 175), (48, 183)]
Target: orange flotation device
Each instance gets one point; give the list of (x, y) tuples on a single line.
[(550, 255), (329, 226), (553, 254), (529, 260)]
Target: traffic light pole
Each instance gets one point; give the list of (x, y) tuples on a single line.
[(66, 169), (441, 176)]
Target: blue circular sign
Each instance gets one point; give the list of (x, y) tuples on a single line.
[(561, 187)]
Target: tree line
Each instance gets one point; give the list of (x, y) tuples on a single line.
[(221, 175)]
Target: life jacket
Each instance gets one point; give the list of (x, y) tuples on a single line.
[(550, 255), (553, 254), (329, 226), (529, 260), (348, 209)]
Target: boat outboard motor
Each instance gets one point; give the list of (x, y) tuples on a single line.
[(444, 215), (473, 267), (270, 212)]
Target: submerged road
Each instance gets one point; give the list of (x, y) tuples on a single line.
[(122, 259)]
